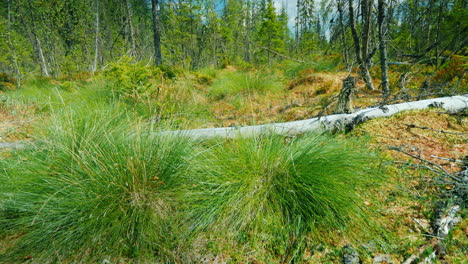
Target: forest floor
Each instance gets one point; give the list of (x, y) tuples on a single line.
[(407, 200)]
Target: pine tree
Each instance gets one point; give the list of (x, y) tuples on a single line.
[(271, 34)]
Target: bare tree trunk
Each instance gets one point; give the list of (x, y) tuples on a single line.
[(452, 104), (12, 47), (42, 61), (156, 33), (366, 10), (296, 44), (439, 19), (96, 44), (343, 32), (352, 24), (130, 26), (362, 56), (383, 49)]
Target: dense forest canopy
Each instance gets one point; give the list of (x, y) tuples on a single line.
[(57, 37)]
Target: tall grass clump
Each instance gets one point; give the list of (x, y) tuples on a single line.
[(93, 190), (241, 83), (274, 194), (46, 97)]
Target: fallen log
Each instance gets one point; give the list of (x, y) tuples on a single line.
[(13, 145), (347, 122), (452, 104)]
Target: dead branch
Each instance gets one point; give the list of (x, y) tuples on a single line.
[(440, 168), (432, 129), (448, 159)]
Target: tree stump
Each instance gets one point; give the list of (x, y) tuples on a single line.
[(344, 104)]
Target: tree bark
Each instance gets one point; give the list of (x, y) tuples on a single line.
[(12, 47), (362, 51), (339, 4), (383, 49), (366, 10), (38, 45), (453, 104), (130, 26), (332, 122), (156, 33), (96, 43)]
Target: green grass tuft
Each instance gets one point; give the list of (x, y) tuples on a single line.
[(235, 83), (92, 190), (274, 193)]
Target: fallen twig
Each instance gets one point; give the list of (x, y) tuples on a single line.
[(442, 170), (448, 159), (437, 130)]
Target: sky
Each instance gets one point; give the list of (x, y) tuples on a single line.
[(290, 6)]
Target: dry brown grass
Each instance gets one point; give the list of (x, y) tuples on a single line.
[(397, 131)]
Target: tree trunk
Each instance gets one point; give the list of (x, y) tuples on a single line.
[(296, 37), (453, 104), (383, 49), (12, 47), (366, 10), (343, 32), (42, 61), (37, 44), (96, 44), (332, 122), (130, 26), (156, 33), (362, 56), (439, 19)]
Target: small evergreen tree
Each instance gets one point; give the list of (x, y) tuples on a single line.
[(271, 33)]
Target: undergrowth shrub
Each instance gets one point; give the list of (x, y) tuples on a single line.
[(272, 194), (133, 81), (93, 191), (234, 83), (454, 68)]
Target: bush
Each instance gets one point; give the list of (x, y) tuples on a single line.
[(273, 193), (234, 83), (132, 81), (206, 76), (69, 86), (92, 192), (455, 68)]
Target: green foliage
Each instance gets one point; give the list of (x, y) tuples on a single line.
[(68, 86), (234, 83), (93, 190), (268, 192), (318, 64), (46, 95), (132, 80), (272, 33)]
